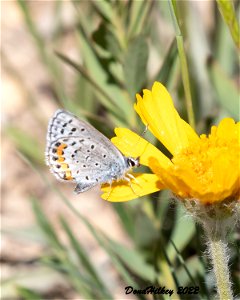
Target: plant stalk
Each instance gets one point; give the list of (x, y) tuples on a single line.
[(218, 254), (226, 9), (184, 66)]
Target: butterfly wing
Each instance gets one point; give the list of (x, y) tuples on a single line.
[(78, 152)]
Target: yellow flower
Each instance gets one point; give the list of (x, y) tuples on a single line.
[(206, 168)]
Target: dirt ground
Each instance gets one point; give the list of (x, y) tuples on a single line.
[(23, 79)]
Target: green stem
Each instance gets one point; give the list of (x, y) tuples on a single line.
[(184, 66), (226, 9), (218, 253)]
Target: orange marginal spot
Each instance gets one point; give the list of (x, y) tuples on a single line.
[(60, 149), (68, 175), (64, 167), (61, 159)]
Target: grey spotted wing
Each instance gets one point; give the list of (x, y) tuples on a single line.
[(77, 151), (64, 124)]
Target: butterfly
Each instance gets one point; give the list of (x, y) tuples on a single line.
[(77, 152)]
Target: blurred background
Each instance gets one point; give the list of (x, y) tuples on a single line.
[(92, 57)]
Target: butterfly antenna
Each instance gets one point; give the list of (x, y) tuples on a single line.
[(141, 136)]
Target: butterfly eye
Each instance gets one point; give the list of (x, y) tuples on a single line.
[(133, 162)]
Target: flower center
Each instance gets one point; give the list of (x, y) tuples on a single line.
[(205, 159)]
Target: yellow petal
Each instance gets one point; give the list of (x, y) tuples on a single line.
[(226, 178), (192, 136), (226, 130), (156, 110), (168, 178), (121, 191), (131, 144)]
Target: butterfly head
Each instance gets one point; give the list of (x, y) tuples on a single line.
[(132, 162)]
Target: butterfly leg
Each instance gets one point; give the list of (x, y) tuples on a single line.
[(132, 177), (130, 183), (110, 190)]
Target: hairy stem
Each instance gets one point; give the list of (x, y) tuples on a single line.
[(218, 253)]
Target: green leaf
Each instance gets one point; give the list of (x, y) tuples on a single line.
[(126, 216), (46, 226), (167, 69), (229, 16), (182, 232), (138, 12), (106, 39), (62, 261), (194, 266), (183, 263), (27, 294), (135, 65), (102, 240), (83, 258), (104, 8), (106, 100), (163, 206), (78, 279), (96, 71), (225, 50), (227, 92), (146, 232), (110, 103), (134, 261)]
